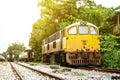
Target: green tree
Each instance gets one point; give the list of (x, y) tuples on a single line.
[(15, 48), (56, 14)]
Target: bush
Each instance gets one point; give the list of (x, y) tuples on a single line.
[(110, 53)]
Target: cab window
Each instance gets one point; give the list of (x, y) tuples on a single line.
[(72, 30), (93, 30), (83, 30)]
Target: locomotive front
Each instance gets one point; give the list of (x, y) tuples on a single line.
[(82, 44), (10, 57)]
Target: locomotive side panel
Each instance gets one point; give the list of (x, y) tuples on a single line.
[(52, 43), (63, 43)]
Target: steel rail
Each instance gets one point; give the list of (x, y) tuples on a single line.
[(102, 69), (16, 72), (44, 73)]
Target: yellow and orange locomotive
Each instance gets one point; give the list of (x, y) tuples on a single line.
[(76, 44)]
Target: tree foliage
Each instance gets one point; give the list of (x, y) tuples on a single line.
[(15, 48), (56, 14), (110, 45)]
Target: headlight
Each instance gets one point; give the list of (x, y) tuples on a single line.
[(19, 56), (13, 56), (8, 56)]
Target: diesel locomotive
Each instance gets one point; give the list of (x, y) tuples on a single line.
[(26, 55), (10, 57), (77, 44)]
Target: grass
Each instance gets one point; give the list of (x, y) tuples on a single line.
[(65, 70), (80, 74), (31, 63)]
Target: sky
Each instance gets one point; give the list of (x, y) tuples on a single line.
[(108, 3), (17, 17)]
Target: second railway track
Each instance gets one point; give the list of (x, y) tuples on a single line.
[(101, 69)]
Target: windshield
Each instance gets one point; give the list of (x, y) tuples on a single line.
[(93, 30), (72, 30), (83, 30)]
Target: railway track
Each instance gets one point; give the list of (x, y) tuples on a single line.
[(102, 69), (51, 77), (18, 75), (74, 74)]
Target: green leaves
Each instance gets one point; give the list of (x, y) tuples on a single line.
[(15, 48), (110, 45)]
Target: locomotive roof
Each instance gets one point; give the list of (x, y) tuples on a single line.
[(1, 57), (78, 23), (28, 50)]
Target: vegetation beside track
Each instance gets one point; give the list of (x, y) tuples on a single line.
[(110, 50)]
